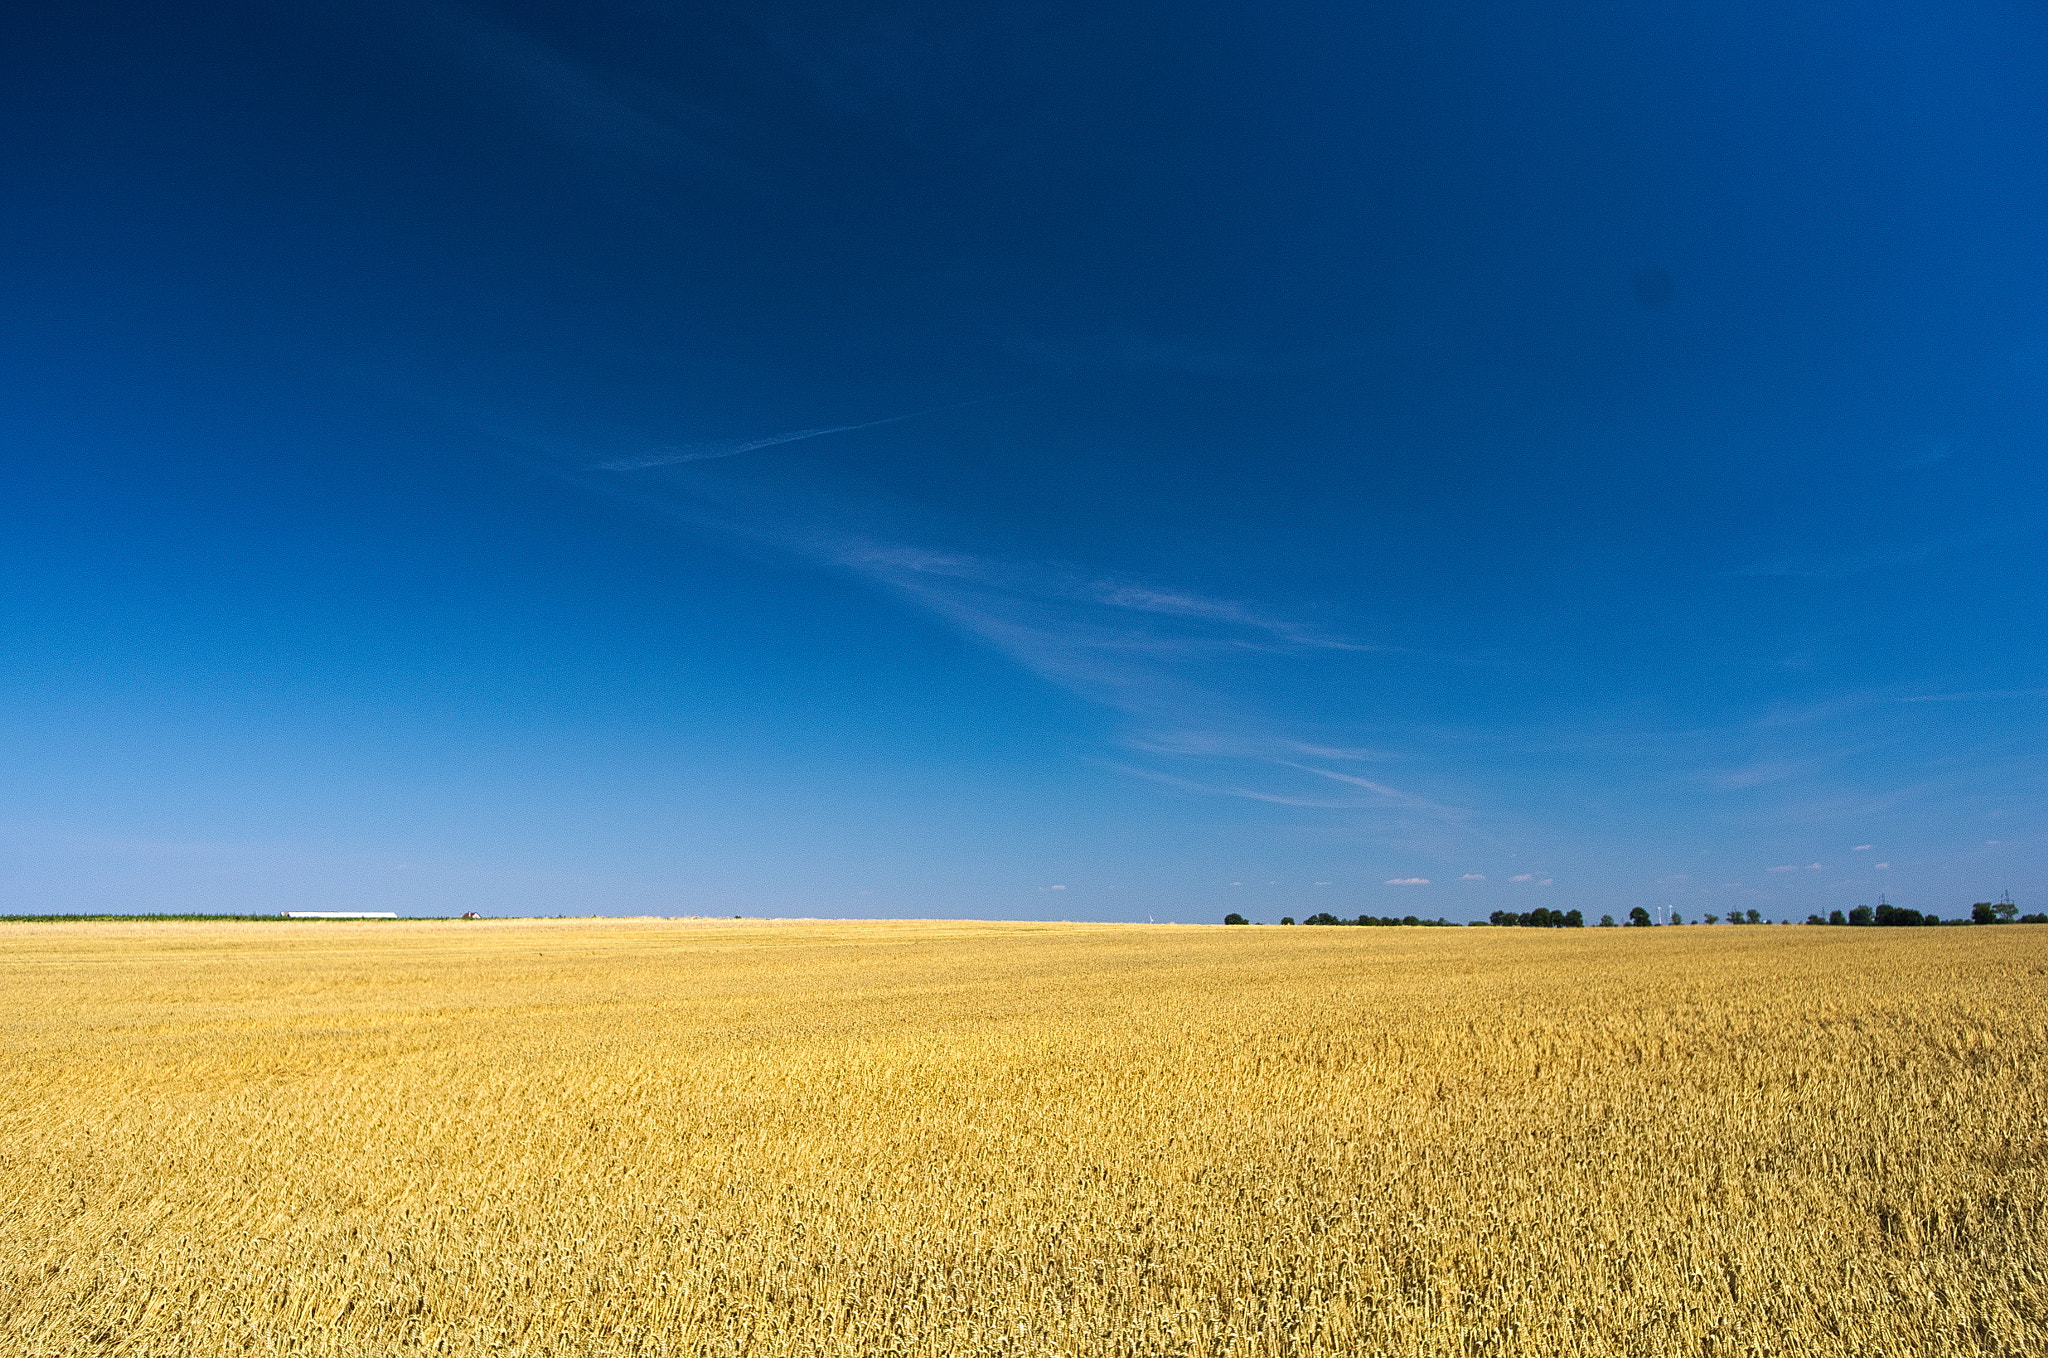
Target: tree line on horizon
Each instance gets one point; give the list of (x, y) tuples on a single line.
[(1882, 915), (1539, 918)]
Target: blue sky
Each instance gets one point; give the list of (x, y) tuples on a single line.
[(1023, 459)]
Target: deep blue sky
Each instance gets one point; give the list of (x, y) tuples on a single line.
[(1583, 455)]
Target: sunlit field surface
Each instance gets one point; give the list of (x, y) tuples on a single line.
[(598, 1138)]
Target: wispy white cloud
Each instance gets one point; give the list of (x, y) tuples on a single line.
[(1784, 867), (1342, 752), (1002, 595), (1251, 744), (1523, 877), (1860, 848), (1407, 881), (1756, 775), (1168, 659), (1229, 612), (1826, 710), (1388, 795), (1200, 744), (1128, 646), (1473, 877), (1249, 794), (707, 452)]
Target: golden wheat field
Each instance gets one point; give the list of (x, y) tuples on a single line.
[(596, 1138)]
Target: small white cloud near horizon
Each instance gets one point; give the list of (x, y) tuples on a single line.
[(1784, 867), (1545, 882), (1473, 877), (1322, 884), (1523, 877), (1882, 866), (1407, 881), (1237, 883), (1816, 867), (1860, 848)]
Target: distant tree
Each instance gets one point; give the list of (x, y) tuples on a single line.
[(1607, 921), (1753, 917), (1639, 918), (1287, 919), (1539, 918), (1983, 913), (1894, 916), (1835, 917), (1815, 919), (2033, 919), (1713, 919), (1862, 914), (1233, 918), (1677, 918), (2005, 910)]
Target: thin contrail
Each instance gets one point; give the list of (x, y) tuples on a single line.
[(704, 452)]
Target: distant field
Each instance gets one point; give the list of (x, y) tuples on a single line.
[(587, 1138)]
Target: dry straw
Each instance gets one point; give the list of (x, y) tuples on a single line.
[(607, 1138)]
